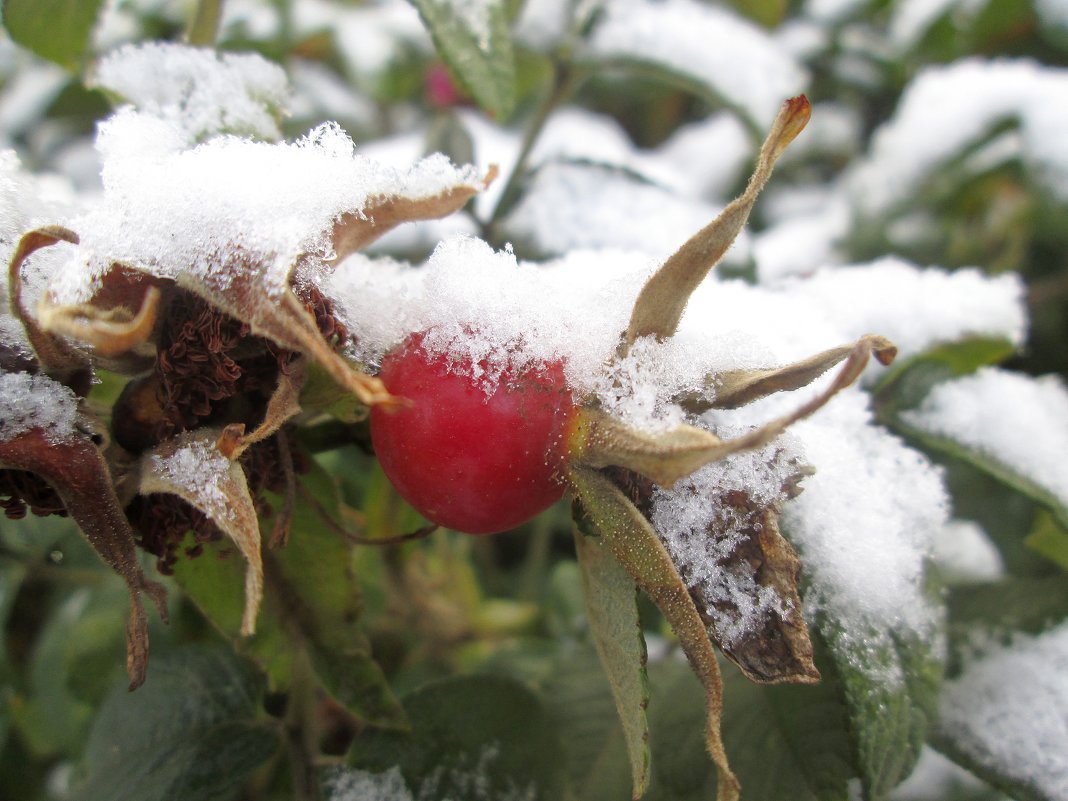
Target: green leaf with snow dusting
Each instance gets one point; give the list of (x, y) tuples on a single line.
[(612, 611), (473, 737), (890, 684), (474, 40), (59, 30)]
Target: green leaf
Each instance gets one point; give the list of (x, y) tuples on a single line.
[(75, 660), (474, 736), (1029, 605), (891, 691), (906, 383), (612, 611), (312, 601), (1049, 539), (190, 732), (474, 40), (785, 742), (59, 30)]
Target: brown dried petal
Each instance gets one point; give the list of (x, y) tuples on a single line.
[(76, 469), (109, 332)]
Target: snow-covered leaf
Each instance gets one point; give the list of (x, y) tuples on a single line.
[(474, 40), (612, 612), (709, 47), (1005, 715), (1010, 425)]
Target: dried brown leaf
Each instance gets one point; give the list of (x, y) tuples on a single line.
[(77, 471), (191, 467), (779, 650), (661, 302)]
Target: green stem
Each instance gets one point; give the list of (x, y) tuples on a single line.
[(204, 28), (564, 80)]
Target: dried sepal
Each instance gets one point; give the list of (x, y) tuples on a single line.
[(76, 469), (191, 467), (599, 440), (283, 406), (639, 550), (661, 302), (56, 357), (732, 389), (612, 612), (109, 332), (356, 230), (858, 358)]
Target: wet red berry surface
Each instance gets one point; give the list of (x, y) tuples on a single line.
[(471, 461)]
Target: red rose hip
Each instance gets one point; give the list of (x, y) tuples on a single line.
[(467, 460)]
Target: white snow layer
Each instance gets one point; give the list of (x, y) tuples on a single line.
[(865, 523), (1008, 711), (724, 53), (1018, 421), (946, 109), (196, 216), (203, 92)]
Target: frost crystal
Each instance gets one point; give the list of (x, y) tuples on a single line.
[(30, 402), (197, 465), (865, 522)]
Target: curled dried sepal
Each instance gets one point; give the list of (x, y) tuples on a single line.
[(730, 390), (77, 471), (639, 550), (284, 405), (191, 467), (57, 358), (660, 303), (110, 332), (598, 440)]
